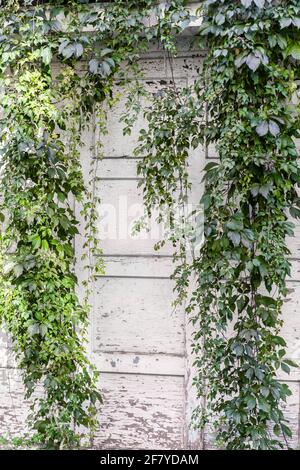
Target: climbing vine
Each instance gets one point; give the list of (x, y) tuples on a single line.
[(58, 64), (248, 90)]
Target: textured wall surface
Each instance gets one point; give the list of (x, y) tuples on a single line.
[(138, 342)]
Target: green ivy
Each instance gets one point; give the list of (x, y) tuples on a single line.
[(248, 90), (58, 64)]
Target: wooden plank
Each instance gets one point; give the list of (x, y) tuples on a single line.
[(135, 315), (118, 168), (141, 412), (293, 243), (115, 144), (6, 355), (13, 406), (139, 266), (193, 438), (136, 363), (121, 206), (158, 73), (295, 270)]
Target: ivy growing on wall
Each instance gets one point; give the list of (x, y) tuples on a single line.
[(249, 92), (243, 267), (58, 63)]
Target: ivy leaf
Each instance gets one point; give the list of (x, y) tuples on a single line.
[(67, 49), (286, 430), (210, 166), (295, 212), (78, 50), (277, 430), (259, 3), (105, 52), (281, 41), (241, 303), (240, 60), (291, 363), (235, 237), (251, 403), (61, 197), (64, 223), (262, 129), (238, 349), (296, 22), (34, 329), (35, 241), (41, 425), (279, 340), (265, 190), (285, 22), (55, 25), (246, 3), (105, 68), (234, 225), (45, 245), (294, 51), (274, 128), (253, 62), (18, 269), (263, 405), (55, 11), (43, 330), (62, 46), (255, 190), (259, 373), (206, 201), (265, 392), (285, 368), (93, 66), (46, 55), (265, 300), (220, 19)]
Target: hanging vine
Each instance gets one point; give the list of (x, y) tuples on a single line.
[(45, 108), (246, 109), (249, 94)]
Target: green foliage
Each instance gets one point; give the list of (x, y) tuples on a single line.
[(44, 110), (244, 104), (249, 89), (254, 123)]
